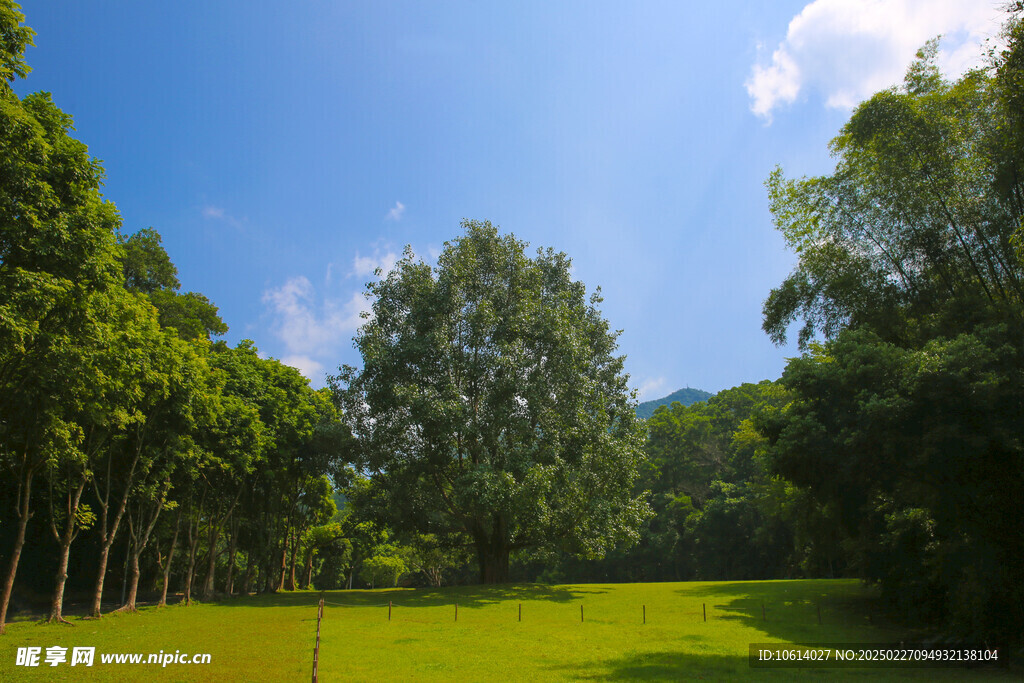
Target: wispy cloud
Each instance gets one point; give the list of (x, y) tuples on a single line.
[(649, 388), (850, 49), (395, 214), (217, 213)]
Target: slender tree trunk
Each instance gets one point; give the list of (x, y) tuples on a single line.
[(193, 546), (170, 557), (284, 563), (64, 540), (250, 567), (309, 569), (229, 583), (108, 538), (295, 550), (24, 491), (211, 563), (133, 585), (139, 545)]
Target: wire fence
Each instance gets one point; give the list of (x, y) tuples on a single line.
[(789, 613)]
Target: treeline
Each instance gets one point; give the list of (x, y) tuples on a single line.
[(121, 424), (719, 512)]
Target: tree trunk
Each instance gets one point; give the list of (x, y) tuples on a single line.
[(167, 568), (295, 550), (309, 569), (97, 595), (133, 585), (108, 539), (211, 564), (229, 583), (284, 563), (250, 566), (139, 546), (492, 553), (24, 491), (193, 546), (64, 540), (493, 564)]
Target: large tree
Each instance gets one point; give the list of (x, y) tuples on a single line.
[(491, 402)]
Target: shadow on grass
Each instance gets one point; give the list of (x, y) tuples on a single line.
[(661, 666), (798, 610), (465, 596), (679, 666)]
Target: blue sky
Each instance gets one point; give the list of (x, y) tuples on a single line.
[(284, 150)]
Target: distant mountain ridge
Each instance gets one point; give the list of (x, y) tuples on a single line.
[(685, 396)]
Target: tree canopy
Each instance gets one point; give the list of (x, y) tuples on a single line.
[(491, 402)]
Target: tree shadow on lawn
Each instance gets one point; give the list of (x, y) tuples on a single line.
[(660, 666), (687, 666), (790, 610), (465, 596)]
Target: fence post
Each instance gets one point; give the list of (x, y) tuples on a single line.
[(645, 613), (316, 648), (704, 606), (389, 610)]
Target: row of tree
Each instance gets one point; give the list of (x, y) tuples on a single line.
[(119, 419)]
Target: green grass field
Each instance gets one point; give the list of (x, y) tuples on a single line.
[(271, 637)]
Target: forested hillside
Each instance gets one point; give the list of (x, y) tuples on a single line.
[(685, 396)]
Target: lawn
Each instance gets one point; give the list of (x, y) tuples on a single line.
[(271, 637)]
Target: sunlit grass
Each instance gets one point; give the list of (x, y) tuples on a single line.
[(271, 637)]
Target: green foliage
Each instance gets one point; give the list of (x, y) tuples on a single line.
[(491, 403), (14, 38), (147, 267), (919, 451), (384, 567), (148, 270)]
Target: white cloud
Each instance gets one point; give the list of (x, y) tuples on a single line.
[(311, 329), (304, 364), (395, 214), (849, 49), (366, 265), (649, 387)]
